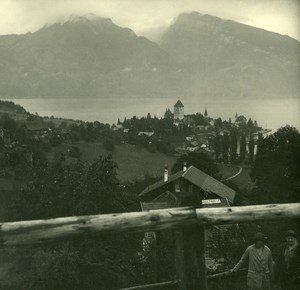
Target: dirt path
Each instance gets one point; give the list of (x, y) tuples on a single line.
[(235, 175)]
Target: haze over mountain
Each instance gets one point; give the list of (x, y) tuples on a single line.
[(198, 56), (229, 59)]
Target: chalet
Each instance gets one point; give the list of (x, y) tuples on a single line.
[(203, 127), (114, 127), (120, 126), (149, 134), (188, 187), (176, 189), (192, 146)]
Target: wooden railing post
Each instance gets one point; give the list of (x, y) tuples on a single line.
[(190, 258), (190, 254)]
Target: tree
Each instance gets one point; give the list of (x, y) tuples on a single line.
[(251, 149), (243, 148), (217, 146), (225, 148), (218, 123), (276, 169), (200, 160), (91, 262), (233, 147), (9, 125)]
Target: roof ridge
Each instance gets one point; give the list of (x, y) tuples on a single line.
[(187, 170)]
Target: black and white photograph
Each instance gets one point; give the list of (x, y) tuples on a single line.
[(149, 144)]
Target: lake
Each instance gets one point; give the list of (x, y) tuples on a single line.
[(270, 114)]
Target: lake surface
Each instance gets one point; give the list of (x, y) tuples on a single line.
[(271, 114)]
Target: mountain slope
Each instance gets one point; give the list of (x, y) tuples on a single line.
[(229, 59), (198, 56), (82, 57)]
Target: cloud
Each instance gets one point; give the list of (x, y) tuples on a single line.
[(149, 17)]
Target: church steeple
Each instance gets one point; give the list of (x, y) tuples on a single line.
[(205, 113)]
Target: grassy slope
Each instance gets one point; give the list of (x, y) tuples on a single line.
[(134, 162)]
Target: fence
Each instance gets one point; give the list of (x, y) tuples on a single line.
[(188, 224)]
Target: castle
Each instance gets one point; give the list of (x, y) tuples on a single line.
[(178, 111)]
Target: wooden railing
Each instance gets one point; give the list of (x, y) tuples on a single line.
[(188, 224)]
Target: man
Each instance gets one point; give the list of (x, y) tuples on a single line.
[(288, 263), (260, 264)]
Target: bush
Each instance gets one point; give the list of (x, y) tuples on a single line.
[(75, 152)]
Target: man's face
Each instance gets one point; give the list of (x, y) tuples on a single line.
[(259, 244), (290, 240)]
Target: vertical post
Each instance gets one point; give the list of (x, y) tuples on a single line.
[(158, 256), (190, 257)]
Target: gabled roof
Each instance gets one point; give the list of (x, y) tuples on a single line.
[(165, 200), (179, 104), (199, 179)]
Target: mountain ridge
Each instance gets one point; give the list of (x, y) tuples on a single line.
[(197, 55)]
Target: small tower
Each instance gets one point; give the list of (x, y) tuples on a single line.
[(205, 113), (178, 110)]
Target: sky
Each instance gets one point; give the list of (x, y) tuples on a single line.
[(150, 17)]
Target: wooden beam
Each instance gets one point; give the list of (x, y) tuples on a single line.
[(27, 232), (162, 285), (37, 231), (238, 214)]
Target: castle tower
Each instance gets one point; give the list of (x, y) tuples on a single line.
[(178, 110)]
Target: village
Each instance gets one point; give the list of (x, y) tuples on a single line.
[(176, 133), (203, 133)]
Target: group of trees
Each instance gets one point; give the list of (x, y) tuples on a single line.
[(276, 169), (225, 147), (88, 262)]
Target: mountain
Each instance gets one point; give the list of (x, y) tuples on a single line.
[(227, 59), (197, 56), (83, 56)]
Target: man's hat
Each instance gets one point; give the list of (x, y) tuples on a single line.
[(259, 237), (291, 233)]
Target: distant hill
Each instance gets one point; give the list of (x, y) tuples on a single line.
[(84, 56), (198, 56), (229, 59)]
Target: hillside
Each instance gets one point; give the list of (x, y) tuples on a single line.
[(229, 59), (199, 55), (133, 162)]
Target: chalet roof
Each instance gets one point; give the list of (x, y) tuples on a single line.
[(165, 200), (179, 104), (199, 179)]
